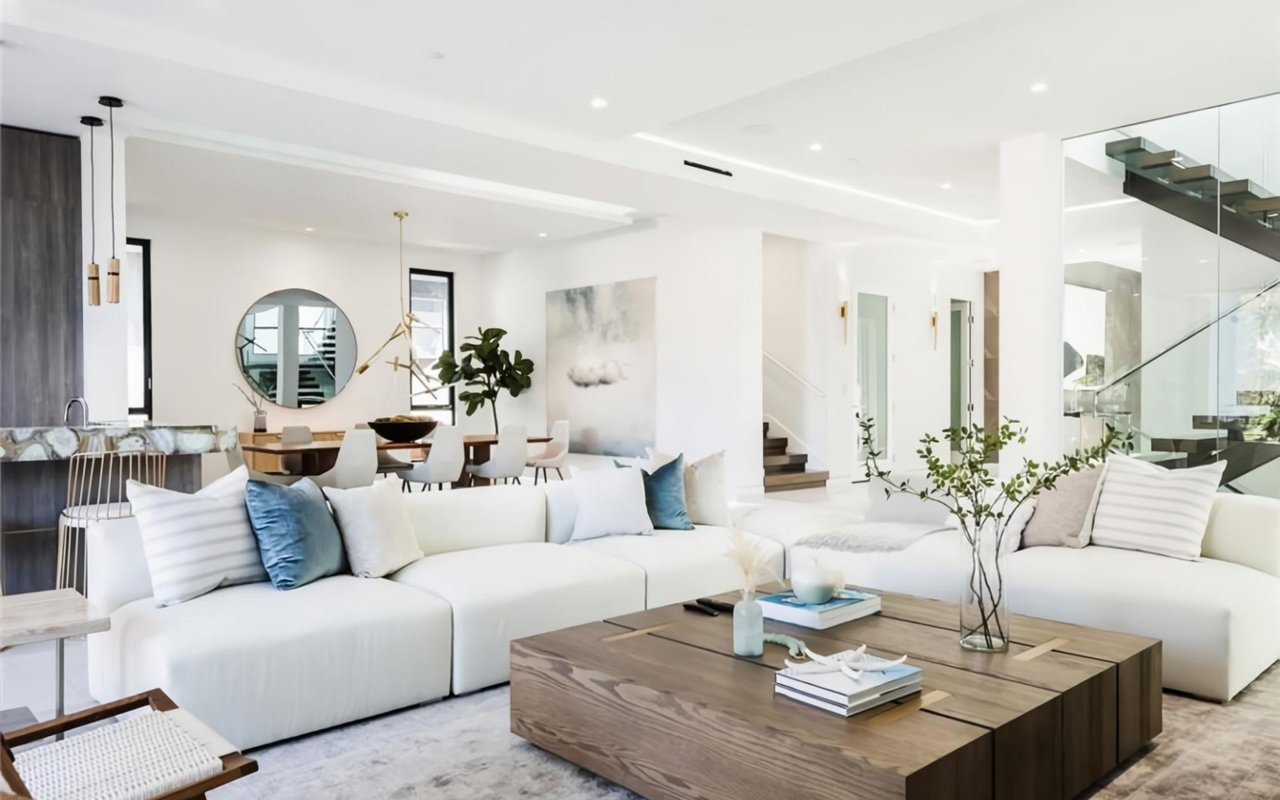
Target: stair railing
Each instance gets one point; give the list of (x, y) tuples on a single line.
[(769, 357)]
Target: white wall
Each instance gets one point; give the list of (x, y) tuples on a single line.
[(204, 277), (106, 371), (804, 286), (708, 329)]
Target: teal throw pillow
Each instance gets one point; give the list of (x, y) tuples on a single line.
[(297, 537), (664, 495)]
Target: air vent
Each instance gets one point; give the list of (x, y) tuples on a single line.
[(716, 170)]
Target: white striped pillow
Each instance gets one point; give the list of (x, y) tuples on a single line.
[(1155, 510), (195, 543)]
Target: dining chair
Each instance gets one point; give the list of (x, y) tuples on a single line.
[(294, 434), (387, 463), (96, 491), (444, 463), (554, 454), (235, 460), (507, 462), (357, 463)]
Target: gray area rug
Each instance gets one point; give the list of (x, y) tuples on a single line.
[(463, 748)]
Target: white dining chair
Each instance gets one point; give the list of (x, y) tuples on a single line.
[(294, 434), (507, 461), (445, 460), (387, 463), (554, 455), (357, 463)]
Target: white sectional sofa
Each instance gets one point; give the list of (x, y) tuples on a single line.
[(1219, 617), (261, 665)]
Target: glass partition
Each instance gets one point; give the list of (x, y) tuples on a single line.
[(1171, 319)]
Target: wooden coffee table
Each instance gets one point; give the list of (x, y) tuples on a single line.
[(657, 702)]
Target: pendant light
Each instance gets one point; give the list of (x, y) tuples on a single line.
[(113, 266), (95, 290), (403, 328)]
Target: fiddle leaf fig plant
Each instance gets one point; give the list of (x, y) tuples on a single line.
[(485, 370)]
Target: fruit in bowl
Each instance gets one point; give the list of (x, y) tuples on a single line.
[(403, 428)]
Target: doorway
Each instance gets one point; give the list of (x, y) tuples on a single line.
[(873, 367), (961, 364)]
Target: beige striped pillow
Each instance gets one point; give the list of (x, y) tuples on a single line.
[(1155, 510), (195, 543)]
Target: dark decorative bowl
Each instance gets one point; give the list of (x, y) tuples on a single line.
[(403, 432)]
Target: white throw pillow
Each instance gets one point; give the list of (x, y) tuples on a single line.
[(195, 543), (375, 527), (705, 496), (1153, 509), (610, 503)]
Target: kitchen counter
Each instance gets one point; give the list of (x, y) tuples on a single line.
[(35, 464), (60, 442)]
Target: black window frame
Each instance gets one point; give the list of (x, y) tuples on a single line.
[(147, 405), (414, 403)]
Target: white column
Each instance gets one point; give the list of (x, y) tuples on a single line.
[(1029, 251), (106, 365), (287, 361)]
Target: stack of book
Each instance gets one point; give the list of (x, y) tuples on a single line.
[(846, 606), (841, 694)]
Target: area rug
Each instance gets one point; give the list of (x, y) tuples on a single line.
[(462, 749)]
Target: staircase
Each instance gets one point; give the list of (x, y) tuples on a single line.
[(784, 471)]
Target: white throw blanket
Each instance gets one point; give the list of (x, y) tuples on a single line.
[(871, 537)]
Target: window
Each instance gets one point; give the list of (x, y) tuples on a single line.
[(135, 293), (431, 301)]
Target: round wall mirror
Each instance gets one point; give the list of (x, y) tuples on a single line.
[(296, 348)]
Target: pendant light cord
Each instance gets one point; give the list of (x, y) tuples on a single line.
[(111, 114), (93, 195)]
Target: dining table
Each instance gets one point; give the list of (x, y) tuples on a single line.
[(320, 455)]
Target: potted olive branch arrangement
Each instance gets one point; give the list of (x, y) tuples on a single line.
[(960, 481)]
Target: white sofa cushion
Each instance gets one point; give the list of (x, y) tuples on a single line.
[(1244, 529), (934, 566), (1145, 507), (509, 591), (115, 558), (610, 502), (376, 532), (683, 565), (1217, 619), (477, 517), (195, 543), (891, 505), (259, 665)]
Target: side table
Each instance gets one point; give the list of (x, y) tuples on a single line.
[(44, 616)]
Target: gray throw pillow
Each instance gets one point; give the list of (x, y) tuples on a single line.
[(1064, 514)]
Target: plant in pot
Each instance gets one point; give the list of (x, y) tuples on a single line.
[(259, 410), (485, 370), (984, 508)]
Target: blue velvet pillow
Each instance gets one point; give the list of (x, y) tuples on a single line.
[(297, 537), (664, 495)]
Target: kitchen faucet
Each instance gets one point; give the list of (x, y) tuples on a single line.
[(84, 409)]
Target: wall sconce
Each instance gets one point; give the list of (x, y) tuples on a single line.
[(844, 318), (933, 314)]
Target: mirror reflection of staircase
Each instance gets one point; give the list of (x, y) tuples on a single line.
[(785, 471)]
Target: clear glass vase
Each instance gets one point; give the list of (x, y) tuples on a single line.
[(984, 606), (748, 627)]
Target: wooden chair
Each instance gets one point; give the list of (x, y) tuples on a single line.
[(12, 787)]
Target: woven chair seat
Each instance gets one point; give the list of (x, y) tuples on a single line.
[(139, 758)]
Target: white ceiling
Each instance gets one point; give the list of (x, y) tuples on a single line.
[(182, 182), (903, 96)]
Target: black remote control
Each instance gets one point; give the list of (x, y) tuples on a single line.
[(701, 609), (715, 605)]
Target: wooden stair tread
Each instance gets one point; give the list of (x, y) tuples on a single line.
[(795, 480)]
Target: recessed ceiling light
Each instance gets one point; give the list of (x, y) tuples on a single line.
[(435, 55), (599, 102), (1039, 87), (816, 147), (945, 185), (1204, 261), (542, 236), (308, 229)]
